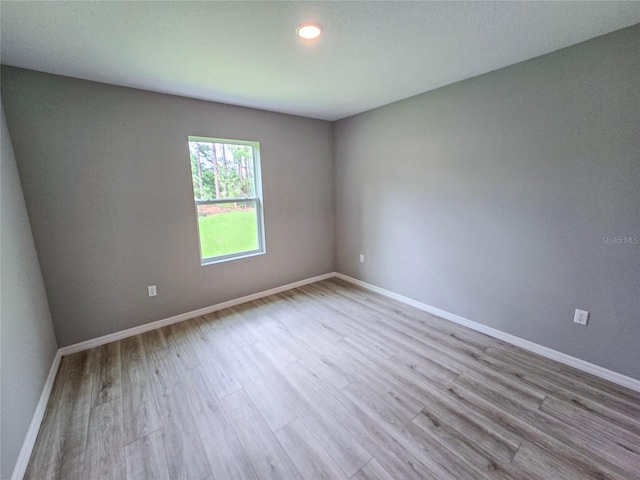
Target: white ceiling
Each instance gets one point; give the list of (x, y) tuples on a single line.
[(246, 53)]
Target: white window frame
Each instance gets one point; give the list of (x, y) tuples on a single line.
[(257, 182)]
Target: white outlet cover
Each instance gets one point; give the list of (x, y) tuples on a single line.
[(152, 290), (361, 258), (581, 317)]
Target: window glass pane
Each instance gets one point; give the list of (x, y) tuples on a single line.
[(222, 170), (227, 228)]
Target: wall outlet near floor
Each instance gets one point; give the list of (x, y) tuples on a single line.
[(361, 258), (581, 317), (152, 290)]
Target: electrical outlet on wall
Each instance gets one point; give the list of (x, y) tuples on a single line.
[(581, 317), (152, 290), (361, 258)]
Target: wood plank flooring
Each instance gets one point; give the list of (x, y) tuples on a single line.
[(329, 381)]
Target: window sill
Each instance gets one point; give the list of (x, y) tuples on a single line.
[(212, 261)]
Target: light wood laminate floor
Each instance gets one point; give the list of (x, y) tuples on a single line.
[(329, 381)]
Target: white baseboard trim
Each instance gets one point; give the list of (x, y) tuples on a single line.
[(583, 365), (32, 434), (112, 337)]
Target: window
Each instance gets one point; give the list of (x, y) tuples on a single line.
[(228, 198)]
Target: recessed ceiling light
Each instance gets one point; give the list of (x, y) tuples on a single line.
[(309, 31)]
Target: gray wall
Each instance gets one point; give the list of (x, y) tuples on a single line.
[(27, 341), (490, 199), (107, 180)]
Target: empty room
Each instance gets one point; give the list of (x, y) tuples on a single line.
[(320, 240)]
